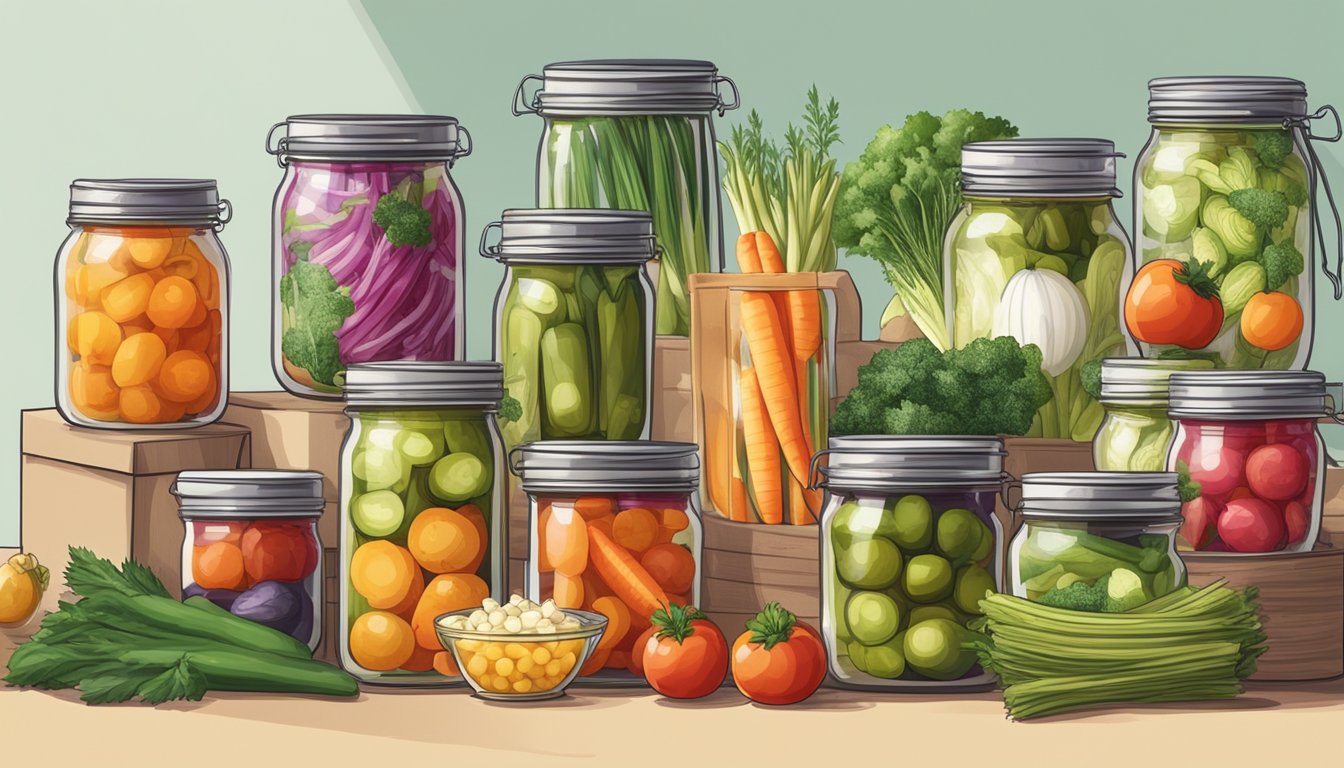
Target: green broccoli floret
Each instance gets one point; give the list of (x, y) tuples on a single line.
[(1090, 374), (1263, 208), (1273, 147), (404, 221), (315, 307), (1282, 262), (1078, 596), (510, 409)]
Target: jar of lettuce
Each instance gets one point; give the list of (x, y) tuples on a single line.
[(1136, 433), (1036, 253), (1226, 212)]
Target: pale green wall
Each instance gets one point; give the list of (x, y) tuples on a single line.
[(189, 89)]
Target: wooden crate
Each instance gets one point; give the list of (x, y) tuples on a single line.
[(744, 566)]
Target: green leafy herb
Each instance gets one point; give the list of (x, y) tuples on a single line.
[(1186, 487), (318, 307), (674, 621)]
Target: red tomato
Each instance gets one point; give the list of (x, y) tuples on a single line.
[(1217, 469), (1297, 520), (1251, 525), (279, 552), (637, 651), (779, 661), (1170, 302), (687, 657), (1201, 520), (1277, 472)]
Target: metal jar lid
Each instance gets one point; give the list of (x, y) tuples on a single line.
[(571, 235), (626, 87), (248, 493), (1198, 100), (597, 466), (384, 138), (182, 202), (1082, 496), (1249, 395), (887, 463), (1039, 168), (419, 383), (1141, 381)]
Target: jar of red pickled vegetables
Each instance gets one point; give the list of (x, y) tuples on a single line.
[(1251, 459), (251, 546), (142, 330), (367, 245), (614, 528)]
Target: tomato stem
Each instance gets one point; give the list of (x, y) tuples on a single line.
[(1195, 273), (674, 621), (772, 625)]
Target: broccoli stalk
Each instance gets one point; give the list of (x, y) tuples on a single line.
[(401, 217)]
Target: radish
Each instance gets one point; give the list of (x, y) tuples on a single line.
[(1297, 520), (1251, 525), (1277, 471), (1201, 520), (1217, 469)]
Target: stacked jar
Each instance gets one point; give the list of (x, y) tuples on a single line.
[(1136, 432)]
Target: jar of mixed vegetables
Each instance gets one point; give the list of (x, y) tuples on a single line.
[(142, 330), (422, 513), (251, 546), (1136, 432), (367, 242), (637, 134), (614, 528), (574, 322), (1225, 208), (909, 545), (1096, 541), (1037, 254), (1251, 458)]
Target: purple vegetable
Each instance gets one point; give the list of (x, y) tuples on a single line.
[(276, 604), (224, 598), (304, 629)]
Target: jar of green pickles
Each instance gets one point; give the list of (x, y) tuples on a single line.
[(422, 513), (1136, 432)]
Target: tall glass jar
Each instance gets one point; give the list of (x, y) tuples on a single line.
[(1036, 253), (1225, 192), (251, 545), (367, 242), (909, 545), (1136, 432), (1248, 444), (1096, 541), (637, 134), (422, 513), (142, 329), (614, 528)]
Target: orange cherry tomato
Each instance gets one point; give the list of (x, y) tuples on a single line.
[(1173, 302), (1271, 320), (783, 664)]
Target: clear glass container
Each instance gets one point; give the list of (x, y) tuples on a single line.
[(367, 245), (614, 528), (142, 330), (637, 134), (422, 513), (1136, 433), (1222, 149), (1036, 253), (1096, 541), (251, 545), (1248, 442), (909, 545)]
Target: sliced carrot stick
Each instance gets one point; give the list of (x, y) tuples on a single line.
[(762, 451), (775, 372), (626, 577)]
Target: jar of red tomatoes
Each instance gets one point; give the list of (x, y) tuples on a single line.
[(1251, 462), (251, 545), (614, 529)]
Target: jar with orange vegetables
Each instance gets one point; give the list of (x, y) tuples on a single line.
[(614, 529), (422, 513), (142, 331)]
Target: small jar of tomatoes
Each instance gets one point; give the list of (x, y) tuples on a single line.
[(1251, 460), (614, 528), (251, 545)]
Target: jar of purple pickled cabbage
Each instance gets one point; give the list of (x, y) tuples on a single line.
[(367, 244)]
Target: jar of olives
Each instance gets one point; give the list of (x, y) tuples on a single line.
[(1136, 433), (909, 545)]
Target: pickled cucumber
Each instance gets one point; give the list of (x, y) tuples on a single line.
[(869, 563), (913, 521), (972, 584), (872, 617), (566, 385), (958, 534), (928, 578), (886, 660), (933, 649), (378, 513), (458, 477)]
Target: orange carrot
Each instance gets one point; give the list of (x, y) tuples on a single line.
[(762, 451), (717, 447), (739, 500), (626, 577), (775, 371), (768, 254), (805, 318), (590, 507), (748, 260)]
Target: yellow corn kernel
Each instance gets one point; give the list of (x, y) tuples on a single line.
[(515, 650), (568, 661), (494, 651), (553, 668), (523, 686), (524, 664), (541, 655), (537, 671), (477, 667), (504, 667), (500, 684)]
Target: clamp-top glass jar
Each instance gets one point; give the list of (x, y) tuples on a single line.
[(637, 134), (1249, 443), (909, 545), (422, 513), (367, 245), (1228, 180), (1136, 432), (142, 330), (1096, 541), (1036, 253)]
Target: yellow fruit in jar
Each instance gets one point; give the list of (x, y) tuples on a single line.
[(138, 359), (127, 299), (149, 252), (96, 337), (140, 405), (172, 302), (22, 582), (381, 641), (92, 389)]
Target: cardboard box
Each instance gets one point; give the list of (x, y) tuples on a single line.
[(672, 406)]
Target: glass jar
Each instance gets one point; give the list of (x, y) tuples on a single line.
[(422, 513), (614, 528), (637, 134), (1214, 139), (573, 322), (1247, 440), (1113, 533), (251, 545), (142, 334), (367, 241), (909, 545), (1036, 253), (1136, 432)]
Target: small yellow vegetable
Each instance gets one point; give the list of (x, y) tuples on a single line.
[(22, 582)]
